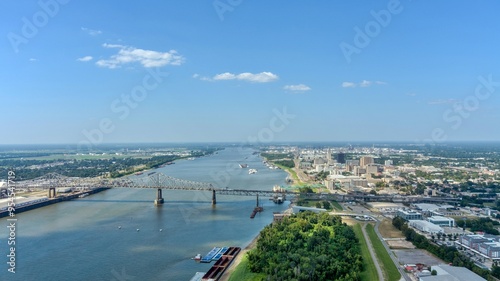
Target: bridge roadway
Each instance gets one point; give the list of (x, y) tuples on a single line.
[(161, 182)]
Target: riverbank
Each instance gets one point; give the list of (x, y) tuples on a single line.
[(234, 265), (53, 201)]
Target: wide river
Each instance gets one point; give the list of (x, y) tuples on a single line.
[(120, 235)]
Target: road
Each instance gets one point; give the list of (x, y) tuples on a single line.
[(391, 254), (357, 212), (372, 253)]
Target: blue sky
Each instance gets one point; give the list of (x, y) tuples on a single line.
[(248, 71)]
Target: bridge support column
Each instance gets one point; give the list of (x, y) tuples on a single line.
[(52, 192), (214, 198), (159, 198)]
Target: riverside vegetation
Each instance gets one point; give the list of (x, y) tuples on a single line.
[(307, 246)]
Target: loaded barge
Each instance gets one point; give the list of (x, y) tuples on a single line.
[(210, 256), (214, 273)]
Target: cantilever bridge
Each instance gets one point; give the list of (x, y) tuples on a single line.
[(157, 181), (161, 181)]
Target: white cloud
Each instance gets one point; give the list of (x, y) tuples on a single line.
[(85, 58), (363, 84), (203, 78), (33, 59), (106, 45), (297, 88), (225, 76), (348, 85), (91, 32), (263, 77), (146, 58)]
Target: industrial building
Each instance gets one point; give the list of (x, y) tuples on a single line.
[(409, 215), (486, 245), (451, 273), (425, 226), (442, 221)]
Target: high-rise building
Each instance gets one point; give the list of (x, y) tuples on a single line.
[(365, 160), (340, 158), (329, 156)]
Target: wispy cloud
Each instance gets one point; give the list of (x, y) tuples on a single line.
[(348, 85), (147, 58), (203, 78), (33, 59), (85, 58), (443, 101), (363, 84), (297, 88), (263, 77), (91, 32)]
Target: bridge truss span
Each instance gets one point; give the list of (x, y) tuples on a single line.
[(161, 181)]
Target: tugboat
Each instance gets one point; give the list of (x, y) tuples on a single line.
[(197, 257)]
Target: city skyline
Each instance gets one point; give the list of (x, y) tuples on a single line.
[(241, 71)]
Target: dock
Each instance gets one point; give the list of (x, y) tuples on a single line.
[(221, 265)]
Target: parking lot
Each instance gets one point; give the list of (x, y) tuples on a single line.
[(413, 256)]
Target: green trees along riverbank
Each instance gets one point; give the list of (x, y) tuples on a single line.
[(307, 246)]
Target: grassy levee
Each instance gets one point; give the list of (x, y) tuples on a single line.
[(390, 270), (369, 271), (336, 205), (242, 273), (291, 172)]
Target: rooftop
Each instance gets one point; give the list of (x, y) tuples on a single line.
[(440, 218), (452, 273)]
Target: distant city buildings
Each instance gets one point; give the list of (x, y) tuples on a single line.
[(365, 161)]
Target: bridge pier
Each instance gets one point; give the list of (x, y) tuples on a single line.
[(52, 192), (214, 198), (159, 198)]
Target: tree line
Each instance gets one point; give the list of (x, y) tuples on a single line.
[(114, 167)]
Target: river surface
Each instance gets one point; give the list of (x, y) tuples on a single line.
[(120, 235)]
